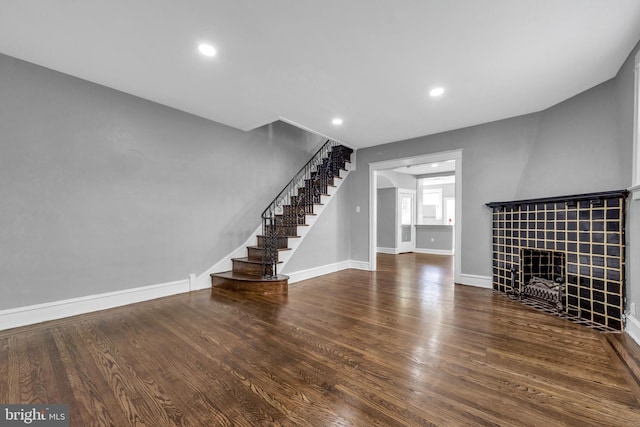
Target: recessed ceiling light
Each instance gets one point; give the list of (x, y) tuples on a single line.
[(207, 49), (337, 121), (434, 165), (436, 91)]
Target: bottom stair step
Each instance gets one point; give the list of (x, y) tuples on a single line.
[(249, 267), (250, 283)]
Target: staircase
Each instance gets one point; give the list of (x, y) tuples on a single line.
[(285, 222)]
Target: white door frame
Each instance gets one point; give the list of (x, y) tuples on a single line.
[(373, 200), (411, 245)]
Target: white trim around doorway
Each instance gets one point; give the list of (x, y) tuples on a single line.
[(417, 160)]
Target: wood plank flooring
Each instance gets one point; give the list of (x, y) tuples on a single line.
[(403, 346)]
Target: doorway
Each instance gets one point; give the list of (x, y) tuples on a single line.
[(376, 167)]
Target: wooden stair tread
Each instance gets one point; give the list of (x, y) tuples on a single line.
[(250, 261), (260, 248), (321, 194), (307, 214), (293, 225), (248, 278), (312, 213), (314, 203), (250, 283)]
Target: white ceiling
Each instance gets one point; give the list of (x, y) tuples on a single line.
[(370, 62)]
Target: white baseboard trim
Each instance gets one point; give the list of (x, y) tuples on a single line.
[(390, 251), (310, 273), (28, 315), (478, 281), (633, 328), (360, 265), (433, 251)]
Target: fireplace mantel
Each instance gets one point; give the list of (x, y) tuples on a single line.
[(564, 199), (588, 229)]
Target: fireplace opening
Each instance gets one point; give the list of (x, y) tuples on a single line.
[(542, 276)]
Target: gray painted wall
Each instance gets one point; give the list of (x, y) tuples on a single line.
[(576, 149), (387, 210), (442, 236), (493, 153), (405, 181), (389, 178), (328, 242), (102, 191), (581, 145)]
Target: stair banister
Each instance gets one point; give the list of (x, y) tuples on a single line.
[(319, 169)]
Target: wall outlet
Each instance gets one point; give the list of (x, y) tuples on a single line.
[(433, 240), (357, 208)]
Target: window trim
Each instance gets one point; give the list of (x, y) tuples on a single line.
[(435, 220)]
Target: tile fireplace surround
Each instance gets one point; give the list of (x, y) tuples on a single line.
[(579, 239)]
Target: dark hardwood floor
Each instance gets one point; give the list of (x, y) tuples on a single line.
[(401, 346)]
